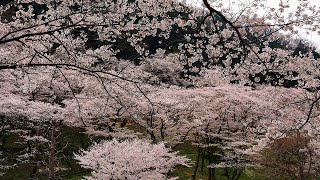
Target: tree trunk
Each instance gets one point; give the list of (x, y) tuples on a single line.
[(202, 161), (210, 176), (52, 151), (197, 164)]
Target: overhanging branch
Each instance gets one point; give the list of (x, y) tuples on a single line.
[(75, 67), (226, 20)]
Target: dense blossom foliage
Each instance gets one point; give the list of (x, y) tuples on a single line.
[(129, 159), (225, 79)]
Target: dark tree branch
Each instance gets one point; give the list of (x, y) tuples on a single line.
[(34, 26), (231, 24), (72, 66), (310, 112)]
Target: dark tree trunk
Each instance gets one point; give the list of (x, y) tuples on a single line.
[(52, 150), (197, 164)]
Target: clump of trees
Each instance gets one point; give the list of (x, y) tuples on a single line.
[(149, 75)]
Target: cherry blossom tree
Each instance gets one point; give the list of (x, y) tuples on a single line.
[(161, 66), (230, 123), (129, 159)]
